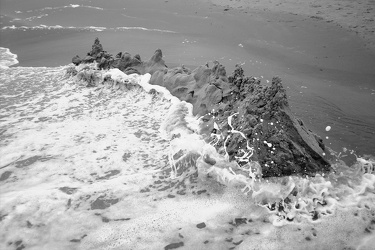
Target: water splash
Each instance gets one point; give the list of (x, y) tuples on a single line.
[(289, 199)]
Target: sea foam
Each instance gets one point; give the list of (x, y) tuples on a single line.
[(87, 28), (102, 165)]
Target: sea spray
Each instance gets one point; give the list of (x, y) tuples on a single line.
[(292, 197)]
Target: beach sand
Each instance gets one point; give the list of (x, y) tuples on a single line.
[(356, 16)]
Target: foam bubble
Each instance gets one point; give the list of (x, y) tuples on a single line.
[(328, 128)]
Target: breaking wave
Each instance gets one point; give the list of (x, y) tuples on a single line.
[(89, 28), (61, 7)]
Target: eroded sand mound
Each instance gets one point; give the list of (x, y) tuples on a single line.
[(251, 121)]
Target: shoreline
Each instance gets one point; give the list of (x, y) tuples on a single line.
[(356, 17), (328, 72)]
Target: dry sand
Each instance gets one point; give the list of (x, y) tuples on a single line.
[(354, 15)]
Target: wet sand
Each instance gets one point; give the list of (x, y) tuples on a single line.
[(356, 16), (325, 54), (327, 70)]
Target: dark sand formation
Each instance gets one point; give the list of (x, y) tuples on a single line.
[(247, 118)]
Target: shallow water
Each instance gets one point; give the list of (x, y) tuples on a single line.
[(98, 160)]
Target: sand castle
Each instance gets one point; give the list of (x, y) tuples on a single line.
[(250, 121)]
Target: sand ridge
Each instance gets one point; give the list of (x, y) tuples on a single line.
[(356, 16)]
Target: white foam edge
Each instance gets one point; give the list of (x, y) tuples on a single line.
[(51, 27), (144, 82), (144, 29)]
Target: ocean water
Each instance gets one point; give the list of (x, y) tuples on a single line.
[(102, 168)]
